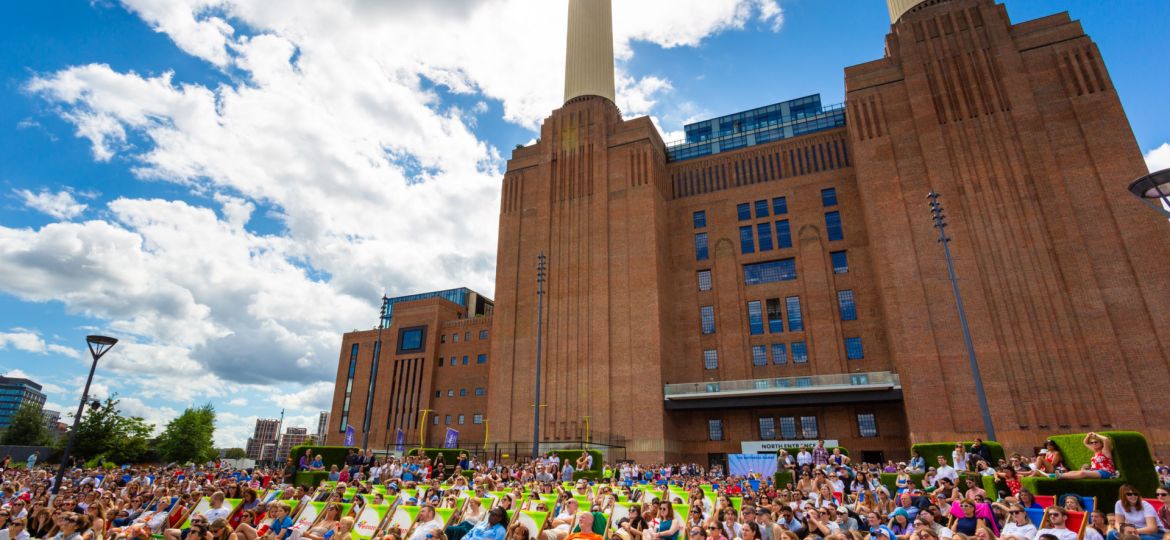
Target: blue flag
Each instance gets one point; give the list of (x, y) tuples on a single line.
[(348, 435), (452, 438), (400, 442)]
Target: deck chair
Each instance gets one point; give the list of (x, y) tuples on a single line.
[(1076, 522), (681, 512), (1156, 503), (737, 503), (403, 518), (202, 506), (1045, 500), (370, 520), (1036, 516), (310, 514), (534, 521)]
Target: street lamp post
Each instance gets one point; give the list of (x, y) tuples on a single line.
[(98, 347), (1154, 187), (541, 273), (373, 379), (940, 223)]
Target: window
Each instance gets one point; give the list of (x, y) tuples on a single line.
[(829, 197), (808, 427), (411, 339), (704, 280), (755, 318), (769, 272), (840, 262), (447, 420), (480, 391), (859, 379), (455, 337), (799, 352), (438, 393), (787, 427), (744, 211), (779, 353), (707, 319), (775, 316), (710, 359), (847, 306), (440, 361), (780, 206), (767, 428), (443, 338), (715, 430), (460, 421), (866, 425), (477, 418), (759, 355), (436, 420), (353, 356), (701, 247), (764, 230), (467, 336), (481, 359), (747, 244), (795, 321), (783, 234), (462, 392), (833, 226), (762, 209), (483, 334), (853, 349), (465, 360), (700, 218), (451, 393), (454, 362)]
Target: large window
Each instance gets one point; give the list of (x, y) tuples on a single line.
[(460, 422), (483, 334), (744, 211), (840, 262), (847, 306), (704, 280), (755, 318), (769, 272), (701, 247), (779, 206), (779, 353), (761, 209), (700, 219), (833, 226), (710, 359), (767, 428), (707, 319), (435, 420), (715, 429), (481, 359), (759, 355), (788, 427), (477, 418), (747, 243), (867, 425), (353, 356), (764, 231), (853, 348), (808, 427), (783, 234), (829, 197), (795, 320), (480, 391), (799, 352), (775, 316), (411, 339)]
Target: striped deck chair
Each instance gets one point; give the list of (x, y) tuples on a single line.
[(370, 520), (403, 518)]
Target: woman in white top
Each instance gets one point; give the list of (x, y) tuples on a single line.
[(1018, 526), (959, 456), (1131, 509)]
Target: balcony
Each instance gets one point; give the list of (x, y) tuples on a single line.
[(840, 388)]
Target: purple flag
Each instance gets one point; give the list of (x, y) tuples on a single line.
[(452, 438), (400, 441), (348, 435)]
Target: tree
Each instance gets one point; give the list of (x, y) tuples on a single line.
[(235, 453), (189, 437), (104, 432), (27, 428)]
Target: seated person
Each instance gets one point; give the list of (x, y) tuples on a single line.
[(1100, 465)]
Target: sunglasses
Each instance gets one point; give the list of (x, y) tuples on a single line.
[(1132, 495), (1014, 512), (1160, 494)]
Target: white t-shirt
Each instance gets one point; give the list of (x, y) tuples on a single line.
[(1027, 531), (946, 471), (1062, 534), (213, 514), (1137, 517), (960, 459), (1092, 534)]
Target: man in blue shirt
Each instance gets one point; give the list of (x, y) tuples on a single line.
[(493, 528)]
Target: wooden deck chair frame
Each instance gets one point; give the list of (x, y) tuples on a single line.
[(184, 522), (390, 521), (540, 526), (613, 516), (1080, 530)]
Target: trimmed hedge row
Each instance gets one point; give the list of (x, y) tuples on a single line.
[(330, 455), (450, 455), (931, 451), (310, 479), (1131, 455), (590, 475), (890, 481), (572, 456)]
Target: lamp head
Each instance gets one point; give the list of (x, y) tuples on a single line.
[(99, 345), (1153, 189)]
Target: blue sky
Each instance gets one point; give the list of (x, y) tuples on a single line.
[(228, 185)]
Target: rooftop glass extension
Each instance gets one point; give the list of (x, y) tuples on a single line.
[(782, 120), (457, 296)]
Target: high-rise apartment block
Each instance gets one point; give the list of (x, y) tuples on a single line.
[(16, 392), (265, 433)]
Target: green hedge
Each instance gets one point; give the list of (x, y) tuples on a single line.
[(931, 451), (890, 481), (1131, 455), (590, 475), (572, 456), (993, 486), (450, 455), (330, 455), (310, 479), (782, 479)]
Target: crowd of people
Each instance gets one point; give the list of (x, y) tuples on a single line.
[(830, 498)]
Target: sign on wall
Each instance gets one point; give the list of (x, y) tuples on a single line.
[(774, 447)]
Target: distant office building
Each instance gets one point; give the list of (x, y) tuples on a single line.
[(293, 436), (322, 425), (15, 393), (51, 418), (265, 433)]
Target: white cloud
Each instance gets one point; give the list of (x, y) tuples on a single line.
[(1159, 158), (314, 397), (60, 205), (28, 341)]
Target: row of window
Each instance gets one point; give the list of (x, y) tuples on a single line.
[(748, 236), (479, 392), (793, 427), (460, 419), (454, 361), (483, 334), (775, 315), (353, 354), (780, 353), (775, 271), (779, 207)]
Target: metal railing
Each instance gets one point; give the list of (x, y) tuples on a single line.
[(837, 382), (829, 117)]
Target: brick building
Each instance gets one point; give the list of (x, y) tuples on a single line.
[(775, 277), (264, 434)]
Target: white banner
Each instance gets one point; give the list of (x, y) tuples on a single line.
[(774, 447)]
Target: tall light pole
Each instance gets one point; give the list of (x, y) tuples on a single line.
[(541, 274), (98, 347), (940, 223), (1154, 187), (373, 379)]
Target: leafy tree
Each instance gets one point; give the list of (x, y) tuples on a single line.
[(189, 437), (104, 432), (27, 428), (235, 453)]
